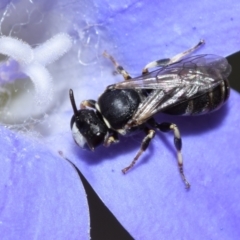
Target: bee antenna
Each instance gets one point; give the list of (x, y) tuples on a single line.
[(71, 96)]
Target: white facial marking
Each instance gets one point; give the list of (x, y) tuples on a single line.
[(78, 137)]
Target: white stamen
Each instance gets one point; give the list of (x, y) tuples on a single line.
[(52, 49), (42, 81), (16, 49), (32, 61)]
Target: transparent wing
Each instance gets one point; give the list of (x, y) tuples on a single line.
[(178, 82), (205, 70), (157, 101)]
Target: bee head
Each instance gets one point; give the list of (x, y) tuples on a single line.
[(88, 129)]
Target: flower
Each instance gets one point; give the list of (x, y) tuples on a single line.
[(150, 201), (41, 195)]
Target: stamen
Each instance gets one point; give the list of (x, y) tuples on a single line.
[(53, 49), (16, 49), (32, 62)]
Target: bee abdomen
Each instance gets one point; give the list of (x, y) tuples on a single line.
[(207, 102)]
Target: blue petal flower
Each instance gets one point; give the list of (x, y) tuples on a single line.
[(41, 195), (150, 201)]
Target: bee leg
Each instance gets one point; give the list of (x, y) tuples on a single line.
[(166, 127), (176, 58), (118, 67), (113, 138), (88, 103), (145, 143)]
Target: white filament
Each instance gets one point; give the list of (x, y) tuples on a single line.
[(53, 49), (16, 49), (33, 61)]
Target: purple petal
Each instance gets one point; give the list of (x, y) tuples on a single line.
[(162, 29), (4, 3), (151, 200), (41, 194), (10, 71)]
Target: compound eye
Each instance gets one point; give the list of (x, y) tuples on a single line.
[(79, 138)]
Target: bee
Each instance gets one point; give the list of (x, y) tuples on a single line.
[(181, 85)]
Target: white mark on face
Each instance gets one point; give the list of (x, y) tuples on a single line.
[(78, 137)]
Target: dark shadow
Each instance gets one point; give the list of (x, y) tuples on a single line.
[(234, 77), (103, 223)]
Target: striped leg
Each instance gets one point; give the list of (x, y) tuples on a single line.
[(168, 61), (145, 143), (166, 127), (118, 67)]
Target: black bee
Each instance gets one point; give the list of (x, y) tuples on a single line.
[(182, 85)]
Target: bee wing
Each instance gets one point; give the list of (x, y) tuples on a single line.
[(178, 82), (158, 100), (205, 71)]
